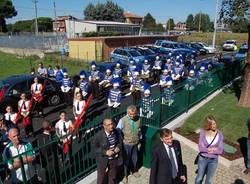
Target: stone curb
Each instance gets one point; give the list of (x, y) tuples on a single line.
[(88, 179)]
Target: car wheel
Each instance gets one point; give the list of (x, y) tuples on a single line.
[(54, 100)]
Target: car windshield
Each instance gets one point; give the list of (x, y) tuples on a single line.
[(196, 46), (3, 83), (229, 42), (177, 46), (242, 50), (204, 44), (158, 43), (146, 51), (183, 46), (134, 53)]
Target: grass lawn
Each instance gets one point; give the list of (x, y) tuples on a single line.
[(220, 37), (231, 118), (12, 65)]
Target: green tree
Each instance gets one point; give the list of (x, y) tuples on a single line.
[(23, 26), (149, 21), (170, 24), (7, 10), (89, 12), (190, 22), (45, 24), (108, 11), (233, 11), (202, 22)]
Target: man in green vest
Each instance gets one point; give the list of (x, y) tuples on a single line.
[(129, 127)]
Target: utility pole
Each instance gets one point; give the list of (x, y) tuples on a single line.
[(54, 4), (215, 22), (36, 24), (55, 24), (200, 22)]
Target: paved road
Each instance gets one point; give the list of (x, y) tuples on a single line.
[(223, 175)]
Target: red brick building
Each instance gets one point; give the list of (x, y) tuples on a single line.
[(59, 24), (180, 26)]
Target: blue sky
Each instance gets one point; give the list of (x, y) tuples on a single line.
[(160, 9)]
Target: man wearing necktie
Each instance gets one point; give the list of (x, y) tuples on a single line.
[(129, 127), (166, 161)]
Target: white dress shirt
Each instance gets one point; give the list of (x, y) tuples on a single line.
[(171, 149)]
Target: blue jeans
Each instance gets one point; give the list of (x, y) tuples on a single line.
[(131, 154), (248, 153), (206, 167)]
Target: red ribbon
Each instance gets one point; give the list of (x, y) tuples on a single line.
[(78, 120)]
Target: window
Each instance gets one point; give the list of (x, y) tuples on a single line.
[(19, 88), (124, 53), (134, 53), (117, 51)]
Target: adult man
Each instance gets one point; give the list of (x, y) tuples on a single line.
[(166, 161), (107, 145), (18, 154), (129, 126), (47, 153), (42, 71)]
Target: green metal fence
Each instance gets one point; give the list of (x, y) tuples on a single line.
[(52, 166)]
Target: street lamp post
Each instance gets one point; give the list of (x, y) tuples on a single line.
[(215, 22)]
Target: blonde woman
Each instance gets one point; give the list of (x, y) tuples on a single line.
[(210, 147)]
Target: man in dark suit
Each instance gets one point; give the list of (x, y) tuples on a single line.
[(166, 161), (107, 145)]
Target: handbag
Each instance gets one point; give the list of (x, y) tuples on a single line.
[(197, 157)]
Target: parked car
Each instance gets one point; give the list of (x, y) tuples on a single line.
[(124, 55), (15, 85), (211, 49), (242, 53), (149, 54), (229, 45), (175, 47), (201, 49)]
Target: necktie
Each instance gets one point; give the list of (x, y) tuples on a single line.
[(36, 88), (132, 126), (9, 117), (64, 127), (174, 169), (78, 106), (24, 106)]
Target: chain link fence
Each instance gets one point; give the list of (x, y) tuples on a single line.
[(44, 41)]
